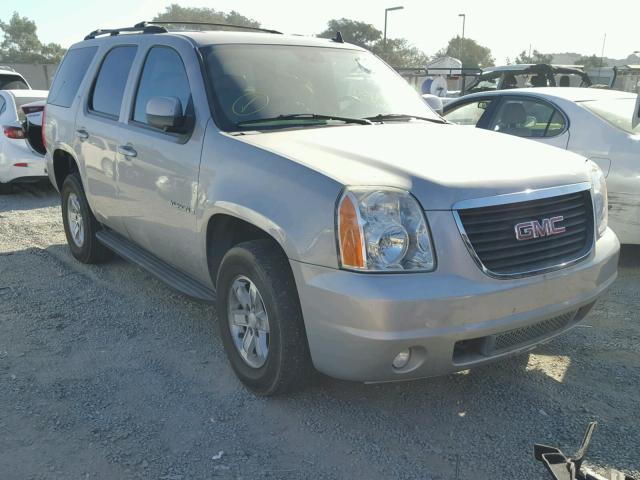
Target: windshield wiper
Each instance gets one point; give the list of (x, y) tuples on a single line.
[(399, 116), (306, 116)]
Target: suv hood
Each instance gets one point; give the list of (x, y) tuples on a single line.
[(439, 164)]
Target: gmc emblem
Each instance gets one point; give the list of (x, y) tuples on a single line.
[(536, 229)]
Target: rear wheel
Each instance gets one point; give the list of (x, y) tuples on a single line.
[(260, 319), (80, 226), (5, 188)]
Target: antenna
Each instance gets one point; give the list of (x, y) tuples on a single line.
[(338, 38)]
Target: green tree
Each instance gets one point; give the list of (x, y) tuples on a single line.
[(203, 14), (397, 52), (20, 43), (469, 52), (591, 61), (535, 57), (362, 34)]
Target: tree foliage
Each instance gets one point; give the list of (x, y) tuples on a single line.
[(591, 61), (203, 14), (535, 57), (22, 45), (397, 52), (469, 52)]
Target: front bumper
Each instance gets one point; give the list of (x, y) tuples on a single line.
[(357, 323)]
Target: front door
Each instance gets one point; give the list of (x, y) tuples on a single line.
[(158, 170)]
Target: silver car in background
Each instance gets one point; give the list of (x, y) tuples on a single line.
[(308, 190), (598, 124)]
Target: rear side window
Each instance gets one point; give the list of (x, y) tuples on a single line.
[(108, 90), (163, 76), (528, 119), (69, 76)]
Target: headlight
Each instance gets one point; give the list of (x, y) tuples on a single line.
[(382, 230), (599, 194)]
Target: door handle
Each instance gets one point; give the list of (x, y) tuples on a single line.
[(82, 134), (127, 151)]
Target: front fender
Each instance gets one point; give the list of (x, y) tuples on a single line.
[(291, 202)]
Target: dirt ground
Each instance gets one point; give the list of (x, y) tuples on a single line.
[(107, 373)]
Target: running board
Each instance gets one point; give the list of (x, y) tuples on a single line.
[(160, 269)]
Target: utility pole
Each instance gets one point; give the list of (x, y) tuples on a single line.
[(604, 41), (386, 11), (464, 20)]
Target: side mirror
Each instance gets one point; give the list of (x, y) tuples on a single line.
[(165, 113), (434, 102)]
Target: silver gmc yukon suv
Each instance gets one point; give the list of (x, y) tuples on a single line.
[(306, 189)]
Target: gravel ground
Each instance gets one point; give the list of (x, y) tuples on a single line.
[(107, 373)]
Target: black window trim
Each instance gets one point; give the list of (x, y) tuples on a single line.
[(182, 136), (549, 103), (107, 116)]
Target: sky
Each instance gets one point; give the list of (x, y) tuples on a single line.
[(506, 27)]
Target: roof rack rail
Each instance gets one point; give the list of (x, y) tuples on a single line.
[(142, 27), (227, 25)]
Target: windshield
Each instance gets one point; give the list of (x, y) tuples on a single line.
[(618, 112), (254, 82), (13, 82)]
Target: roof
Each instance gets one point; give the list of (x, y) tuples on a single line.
[(523, 66), (6, 71), (27, 93), (574, 94), (220, 37)]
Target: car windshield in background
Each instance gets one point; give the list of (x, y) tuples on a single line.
[(12, 82), (618, 112), (292, 86)]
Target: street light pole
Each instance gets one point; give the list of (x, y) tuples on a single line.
[(464, 20), (387, 10)]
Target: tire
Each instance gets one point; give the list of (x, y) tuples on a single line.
[(5, 188), (86, 247), (288, 362)]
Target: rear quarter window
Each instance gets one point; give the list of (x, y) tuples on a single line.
[(69, 76)]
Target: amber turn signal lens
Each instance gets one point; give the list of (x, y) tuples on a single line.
[(351, 242)]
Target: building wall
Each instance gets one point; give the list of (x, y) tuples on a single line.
[(38, 76)]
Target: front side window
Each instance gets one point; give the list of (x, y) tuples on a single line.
[(163, 75), (69, 76), (527, 118), (256, 82), (108, 90), (469, 113)]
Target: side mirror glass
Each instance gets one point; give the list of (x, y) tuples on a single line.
[(165, 113)]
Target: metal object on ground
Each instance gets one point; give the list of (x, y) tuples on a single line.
[(562, 467)]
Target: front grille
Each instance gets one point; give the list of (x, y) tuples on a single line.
[(491, 234)]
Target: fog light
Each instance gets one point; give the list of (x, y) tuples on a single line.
[(402, 359)]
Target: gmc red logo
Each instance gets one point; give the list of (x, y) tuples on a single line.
[(535, 229)]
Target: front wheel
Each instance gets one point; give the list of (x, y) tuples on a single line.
[(80, 226), (260, 319)]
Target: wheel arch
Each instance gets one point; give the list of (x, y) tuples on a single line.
[(64, 163), (230, 226)]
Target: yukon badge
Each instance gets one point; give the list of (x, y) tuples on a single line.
[(535, 229)]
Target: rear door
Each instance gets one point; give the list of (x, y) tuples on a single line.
[(530, 117), (158, 182), (99, 132)]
